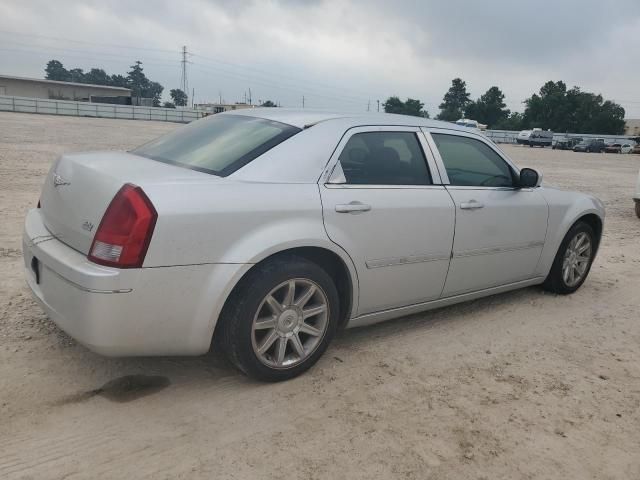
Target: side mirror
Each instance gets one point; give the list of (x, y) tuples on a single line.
[(529, 178)]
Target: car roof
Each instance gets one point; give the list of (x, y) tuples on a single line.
[(305, 118)]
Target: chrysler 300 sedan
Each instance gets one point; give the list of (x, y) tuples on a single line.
[(264, 231)]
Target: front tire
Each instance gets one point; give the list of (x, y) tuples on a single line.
[(573, 260), (638, 208), (280, 319)]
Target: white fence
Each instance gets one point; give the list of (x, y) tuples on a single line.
[(101, 110)]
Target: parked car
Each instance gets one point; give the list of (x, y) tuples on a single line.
[(597, 146), (266, 230), (626, 148), (636, 197), (472, 124), (566, 143), (613, 148), (636, 148), (523, 137)]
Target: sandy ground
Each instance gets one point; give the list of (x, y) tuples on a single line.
[(520, 385)]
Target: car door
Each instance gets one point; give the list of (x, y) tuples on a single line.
[(384, 204), (500, 228)]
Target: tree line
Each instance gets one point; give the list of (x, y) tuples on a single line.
[(136, 80), (554, 107)]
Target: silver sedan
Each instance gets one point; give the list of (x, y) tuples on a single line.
[(266, 230)]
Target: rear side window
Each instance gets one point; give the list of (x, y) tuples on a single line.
[(220, 144), (384, 158), (470, 162)]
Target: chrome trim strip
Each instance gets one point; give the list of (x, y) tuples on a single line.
[(381, 187), (492, 250), (85, 289), (389, 262)]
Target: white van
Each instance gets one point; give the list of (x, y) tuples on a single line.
[(535, 138)]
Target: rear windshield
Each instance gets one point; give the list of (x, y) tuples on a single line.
[(220, 144)]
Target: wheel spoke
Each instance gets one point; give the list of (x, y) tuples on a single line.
[(275, 305), (578, 240), (306, 296), (313, 311), (281, 350), (291, 293), (297, 345), (571, 276), (264, 323), (565, 273), (267, 342), (309, 330), (583, 248)]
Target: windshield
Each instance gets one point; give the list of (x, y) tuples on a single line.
[(220, 144)]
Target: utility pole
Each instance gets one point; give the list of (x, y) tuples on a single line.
[(378, 105), (193, 97), (220, 96), (250, 103), (184, 82), (303, 101), (369, 105)]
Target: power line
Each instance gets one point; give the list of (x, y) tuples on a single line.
[(128, 47)]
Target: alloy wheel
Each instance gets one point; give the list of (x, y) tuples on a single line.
[(290, 323), (576, 259)]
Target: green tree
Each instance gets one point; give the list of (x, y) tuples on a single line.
[(268, 103), (455, 101), (118, 81), (137, 81), (179, 97), (56, 71), (394, 105), (141, 86), (154, 91), (76, 75), (415, 108), (562, 110), (489, 109), (513, 122), (97, 76), (169, 105), (411, 107)]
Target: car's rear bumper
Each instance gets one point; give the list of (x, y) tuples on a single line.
[(125, 312)]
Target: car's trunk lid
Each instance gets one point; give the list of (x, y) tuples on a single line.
[(80, 186)]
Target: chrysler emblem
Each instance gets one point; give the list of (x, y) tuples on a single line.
[(58, 181)]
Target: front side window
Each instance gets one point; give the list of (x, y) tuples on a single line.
[(218, 144), (470, 162), (384, 158)]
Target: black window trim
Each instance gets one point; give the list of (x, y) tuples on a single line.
[(346, 137), (429, 132)]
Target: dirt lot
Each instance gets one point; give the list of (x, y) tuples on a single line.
[(520, 385)]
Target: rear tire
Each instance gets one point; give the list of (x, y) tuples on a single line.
[(267, 329), (638, 209), (572, 264)]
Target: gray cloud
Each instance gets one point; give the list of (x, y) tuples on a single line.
[(338, 54)]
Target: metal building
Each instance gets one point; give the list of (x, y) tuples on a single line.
[(53, 89)]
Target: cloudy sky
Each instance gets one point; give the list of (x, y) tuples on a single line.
[(337, 53)]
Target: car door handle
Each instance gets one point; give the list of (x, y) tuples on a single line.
[(353, 207), (471, 205)]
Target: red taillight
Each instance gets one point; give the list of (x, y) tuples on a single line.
[(125, 231)]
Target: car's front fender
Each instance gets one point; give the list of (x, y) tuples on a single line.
[(565, 209)]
